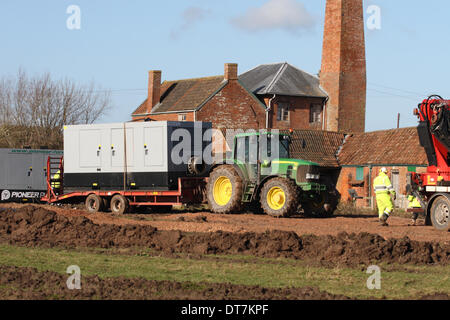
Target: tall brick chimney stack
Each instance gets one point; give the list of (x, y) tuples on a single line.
[(343, 72), (154, 89), (231, 71)]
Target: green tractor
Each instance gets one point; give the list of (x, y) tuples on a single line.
[(260, 173)]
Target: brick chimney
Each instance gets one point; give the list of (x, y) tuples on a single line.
[(343, 72), (154, 89), (231, 71)]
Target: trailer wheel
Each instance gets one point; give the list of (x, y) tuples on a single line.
[(119, 204), (94, 203), (224, 190), (279, 197), (440, 213)]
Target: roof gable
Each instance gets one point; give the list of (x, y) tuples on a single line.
[(282, 79)]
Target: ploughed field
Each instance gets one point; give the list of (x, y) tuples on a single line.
[(200, 255)]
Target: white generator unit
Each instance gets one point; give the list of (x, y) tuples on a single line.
[(134, 155)]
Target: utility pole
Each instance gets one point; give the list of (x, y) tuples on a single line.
[(398, 120)]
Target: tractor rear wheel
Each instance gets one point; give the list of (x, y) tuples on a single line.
[(224, 190), (440, 213), (94, 203), (119, 204), (279, 197)]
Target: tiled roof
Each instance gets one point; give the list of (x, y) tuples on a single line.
[(282, 79), (184, 95), (397, 146), (316, 146)]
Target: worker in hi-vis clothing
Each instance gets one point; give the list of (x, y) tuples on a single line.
[(56, 184), (414, 203), (383, 190)]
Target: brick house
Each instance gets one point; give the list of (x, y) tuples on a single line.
[(222, 100), (269, 96), (362, 156), (293, 98)]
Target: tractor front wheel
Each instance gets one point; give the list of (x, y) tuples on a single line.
[(224, 190), (279, 197)]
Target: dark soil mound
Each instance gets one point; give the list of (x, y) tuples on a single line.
[(34, 226), (28, 283)]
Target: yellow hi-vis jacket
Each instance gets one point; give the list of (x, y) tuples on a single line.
[(413, 202), (382, 184), (56, 184)]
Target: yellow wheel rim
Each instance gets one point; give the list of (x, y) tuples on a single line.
[(276, 198), (223, 190)]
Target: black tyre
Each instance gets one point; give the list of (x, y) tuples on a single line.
[(279, 197), (119, 204), (94, 203), (224, 190), (440, 213)]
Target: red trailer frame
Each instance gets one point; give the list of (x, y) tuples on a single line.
[(190, 190)]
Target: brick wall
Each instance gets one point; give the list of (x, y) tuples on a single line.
[(299, 113), (343, 71), (169, 117), (233, 108)]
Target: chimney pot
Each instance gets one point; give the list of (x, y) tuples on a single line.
[(231, 71), (154, 89)]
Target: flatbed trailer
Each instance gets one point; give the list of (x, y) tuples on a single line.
[(190, 191)]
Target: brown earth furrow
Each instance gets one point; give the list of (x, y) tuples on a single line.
[(36, 226)]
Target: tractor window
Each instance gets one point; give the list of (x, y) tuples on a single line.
[(242, 150), (252, 149), (274, 147), (284, 148)]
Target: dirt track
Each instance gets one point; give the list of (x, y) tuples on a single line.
[(241, 223), (37, 226)]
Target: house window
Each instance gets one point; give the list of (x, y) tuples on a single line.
[(283, 112), (182, 117), (315, 114), (360, 173)]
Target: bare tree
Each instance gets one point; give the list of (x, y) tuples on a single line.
[(33, 110)]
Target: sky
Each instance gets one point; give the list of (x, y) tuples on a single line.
[(115, 43)]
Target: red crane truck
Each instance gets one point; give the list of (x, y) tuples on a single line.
[(432, 188)]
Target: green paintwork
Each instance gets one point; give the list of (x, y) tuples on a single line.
[(282, 167)]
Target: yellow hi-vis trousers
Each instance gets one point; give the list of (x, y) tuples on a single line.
[(384, 203)]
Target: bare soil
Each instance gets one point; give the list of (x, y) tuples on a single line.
[(38, 226), (204, 221), (29, 283)]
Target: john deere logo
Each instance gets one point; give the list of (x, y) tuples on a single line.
[(6, 195)]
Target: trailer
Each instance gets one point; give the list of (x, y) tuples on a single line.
[(122, 166), (23, 174)]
